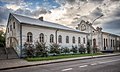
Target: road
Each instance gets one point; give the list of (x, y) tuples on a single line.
[(106, 64)]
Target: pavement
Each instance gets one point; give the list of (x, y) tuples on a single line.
[(21, 63)]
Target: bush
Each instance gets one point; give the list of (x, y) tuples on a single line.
[(88, 47), (74, 49), (82, 49), (66, 50), (41, 49), (2, 39), (54, 48), (29, 50), (95, 50)]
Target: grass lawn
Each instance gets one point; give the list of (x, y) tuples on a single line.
[(63, 56)]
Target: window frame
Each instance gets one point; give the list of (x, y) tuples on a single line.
[(67, 39), (41, 37), (73, 39), (29, 37), (51, 38), (60, 39)]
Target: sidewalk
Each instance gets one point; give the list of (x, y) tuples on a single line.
[(19, 63)]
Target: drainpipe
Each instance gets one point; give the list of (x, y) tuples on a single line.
[(20, 41), (56, 34)]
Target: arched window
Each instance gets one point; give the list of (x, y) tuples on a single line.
[(106, 42), (84, 40), (13, 25), (51, 38), (67, 39), (41, 37), (94, 42), (29, 37), (111, 42), (78, 39), (60, 39), (73, 39)]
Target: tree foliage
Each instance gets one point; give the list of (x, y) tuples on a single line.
[(41, 49), (54, 48), (74, 49), (2, 38), (66, 50)]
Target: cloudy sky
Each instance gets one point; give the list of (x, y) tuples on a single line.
[(66, 12)]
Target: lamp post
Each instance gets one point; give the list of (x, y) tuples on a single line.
[(92, 33)]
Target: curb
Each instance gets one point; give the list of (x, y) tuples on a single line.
[(59, 61)]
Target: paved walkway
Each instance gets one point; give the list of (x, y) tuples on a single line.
[(19, 63)]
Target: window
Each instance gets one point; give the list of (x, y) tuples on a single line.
[(106, 43), (41, 37), (78, 39), (10, 27), (13, 25), (60, 39), (29, 37), (111, 42), (73, 39), (51, 38), (84, 40), (67, 39)]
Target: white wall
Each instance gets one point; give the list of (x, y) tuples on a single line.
[(14, 34), (48, 31)]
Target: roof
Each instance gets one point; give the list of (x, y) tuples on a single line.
[(111, 34), (33, 21)]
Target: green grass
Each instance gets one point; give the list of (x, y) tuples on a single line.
[(63, 56)]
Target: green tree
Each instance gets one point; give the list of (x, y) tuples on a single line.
[(82, 49), (2, 38), (54, 48), (74, 49), (66, 50), (41, 49), (29, 50), (88, 47)]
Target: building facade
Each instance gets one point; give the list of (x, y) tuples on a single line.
[(22, 29)]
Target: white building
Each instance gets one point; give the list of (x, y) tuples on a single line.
[(21, 29)]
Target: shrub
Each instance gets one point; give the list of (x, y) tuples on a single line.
[(88, 47), (74, 49), (82, 49), (2, 38), (95, 50), (54, 48), (29, 50), (41, 49), (66, 50)]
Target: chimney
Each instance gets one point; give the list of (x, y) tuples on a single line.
[(41, 18)]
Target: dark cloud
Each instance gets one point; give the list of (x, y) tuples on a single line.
[(97, 12), (4, 12), (24, 11), (98, 1), (114, 24), (70, 1), (117, 12), (114, 0), (40, 11)]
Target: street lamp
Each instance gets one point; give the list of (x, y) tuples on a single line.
[(91, 32)]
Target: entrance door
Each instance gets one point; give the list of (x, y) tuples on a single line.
[(94, 43)]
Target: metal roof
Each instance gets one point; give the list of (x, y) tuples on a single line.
[(33, 21)]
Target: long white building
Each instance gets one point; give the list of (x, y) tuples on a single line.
[(22, 29)]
